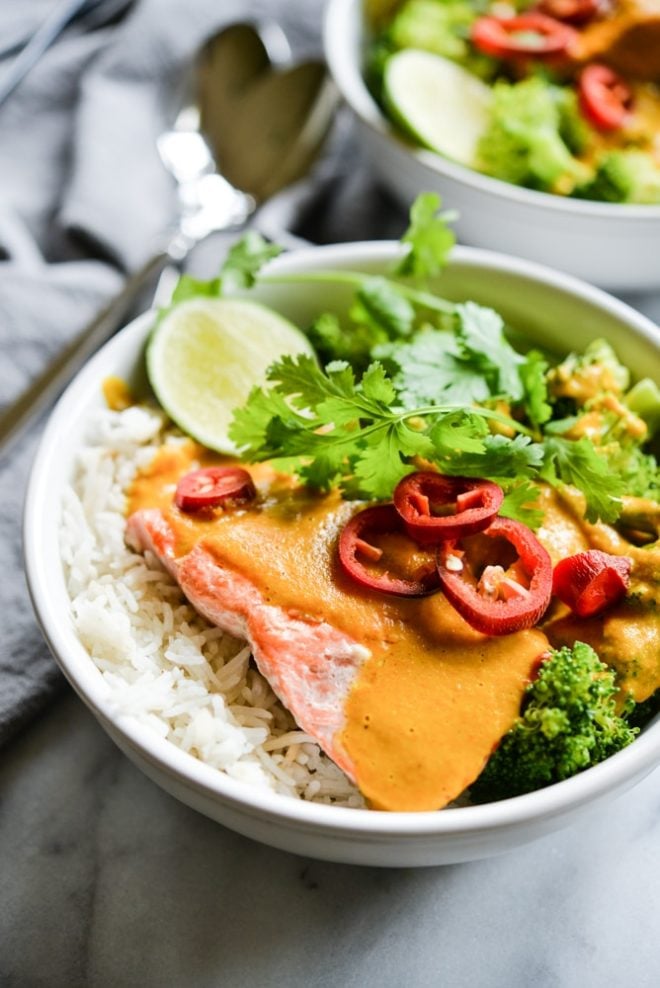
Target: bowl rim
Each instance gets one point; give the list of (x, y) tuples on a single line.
[(350, 82), (343, 822)]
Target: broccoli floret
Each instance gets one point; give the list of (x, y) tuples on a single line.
[(583, 376), (638, 470), (624, 176), (600, 352), (441, 27), (573, 128), (433, 26), (568, 723), (645, 711), (523, 142)]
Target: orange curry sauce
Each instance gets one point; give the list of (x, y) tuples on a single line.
[(427, 708)]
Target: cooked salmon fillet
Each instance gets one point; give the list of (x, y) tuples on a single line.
[(402, 694), (310, 666)]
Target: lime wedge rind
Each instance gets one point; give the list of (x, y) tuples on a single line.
[(204, 357), (439, 103)]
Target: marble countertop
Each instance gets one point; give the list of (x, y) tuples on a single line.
[(108, 881)]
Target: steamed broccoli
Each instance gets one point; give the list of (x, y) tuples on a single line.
[(624, 176), (573, 128), (441, 27), (523, 143), (645, 711), (433, 26), (568, 723), (582, 376)]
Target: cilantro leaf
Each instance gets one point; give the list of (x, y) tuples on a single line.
[(501, 457), (535, 387), (189, 287), (521, 502), (381, 305), (241, 266), (334, 342), (380, 312), (306, 385), (458, 432), (335, 428), (244, 261), (429, 237), (483, 347), (377, 386), (577, 463), (331, 426), (252, 422), (380, 467), (430, 371), (321, 472)]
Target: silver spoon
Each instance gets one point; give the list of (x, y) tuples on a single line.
[(301, 100)]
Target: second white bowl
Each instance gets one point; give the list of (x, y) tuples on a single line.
[(614, 246)]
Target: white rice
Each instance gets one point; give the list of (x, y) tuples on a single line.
[(165, 665)]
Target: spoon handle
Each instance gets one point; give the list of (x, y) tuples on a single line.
[(51, 382)]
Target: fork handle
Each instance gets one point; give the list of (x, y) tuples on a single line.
[(51, 382)]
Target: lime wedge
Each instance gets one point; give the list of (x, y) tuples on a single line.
[(437, 102), (644, 400), (206, 354)]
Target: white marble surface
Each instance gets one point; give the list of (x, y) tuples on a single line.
[(107, 881)]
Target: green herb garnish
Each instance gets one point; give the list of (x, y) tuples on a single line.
[(412, 378)]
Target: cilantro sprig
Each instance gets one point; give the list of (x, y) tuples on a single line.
[(334, 428), (410, 378), (577, 462)]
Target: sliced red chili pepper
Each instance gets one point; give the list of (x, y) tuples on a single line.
[(499, 601), (356, 548), (572, 11), (420, 497), (592, 581), (529, 34), (605, 99), (210, 486)]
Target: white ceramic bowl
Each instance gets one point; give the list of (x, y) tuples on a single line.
[(614, 246), (557, 312)]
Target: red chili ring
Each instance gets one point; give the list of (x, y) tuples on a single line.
[(211, 486), (355, 539), (531, 34), (501, 617), (415, 497), (571, 11), (591, 581), (605, 99)]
